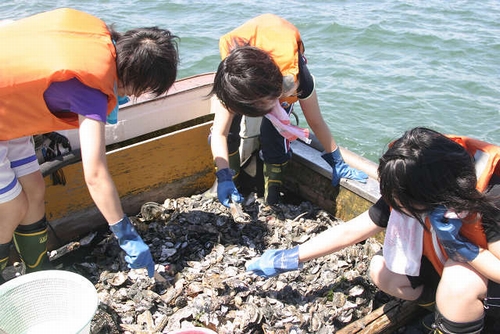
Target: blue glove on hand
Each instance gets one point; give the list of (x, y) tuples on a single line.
[(138, 254), (447, 230), (341, 169), (274, 262), (226, 190)]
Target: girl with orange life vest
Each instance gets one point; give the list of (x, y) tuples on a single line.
[(65, 69), (440, 206), (263, 72)]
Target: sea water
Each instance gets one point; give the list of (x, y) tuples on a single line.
[(381, 67)]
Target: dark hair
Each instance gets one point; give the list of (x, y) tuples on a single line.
[(146, 59), (246, 79), (424, 169)]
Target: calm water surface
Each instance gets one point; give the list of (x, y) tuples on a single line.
[(381, 67)]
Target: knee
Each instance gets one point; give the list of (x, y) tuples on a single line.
[(461, 299), (470, 283), (376, 271), (39, 189), (37, 195), (20, 208), (34, 188), (12, 213)]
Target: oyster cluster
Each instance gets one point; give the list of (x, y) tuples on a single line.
[(200, 252)]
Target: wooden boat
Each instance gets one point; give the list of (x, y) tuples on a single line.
[(159, 150)]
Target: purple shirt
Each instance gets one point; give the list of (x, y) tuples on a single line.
[(73, 96)]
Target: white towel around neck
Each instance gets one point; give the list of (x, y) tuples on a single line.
[(403, 244)]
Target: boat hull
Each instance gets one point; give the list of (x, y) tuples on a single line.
[(173, 165)]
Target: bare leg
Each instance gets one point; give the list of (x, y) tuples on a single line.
[(34, 189), (12, 213), (391, 283), (460, 293)]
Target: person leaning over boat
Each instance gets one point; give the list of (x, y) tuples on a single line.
[(65, 69), (263, 72), (441, 228)]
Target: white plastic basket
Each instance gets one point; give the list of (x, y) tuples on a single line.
[(50, 301)]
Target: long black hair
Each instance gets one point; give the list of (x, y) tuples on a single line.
[(424, 169)]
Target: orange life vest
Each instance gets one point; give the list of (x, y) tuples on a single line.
[(53, 46), (272, 34), (486, 158)]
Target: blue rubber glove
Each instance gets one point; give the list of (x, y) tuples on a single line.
[(226, 190), (341, 169), (274, 262), (447, 230), (138, 254)]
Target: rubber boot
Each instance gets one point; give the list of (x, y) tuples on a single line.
[(273, 182), (445, 326), (4, 258), (31, 244), (234, 164)]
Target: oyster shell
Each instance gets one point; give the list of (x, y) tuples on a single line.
[(201, 252)]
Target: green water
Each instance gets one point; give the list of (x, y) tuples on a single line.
[(381, 67)]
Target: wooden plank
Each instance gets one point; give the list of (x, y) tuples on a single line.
[(186, 100), (386, 319), (310, 177), (173, 165)]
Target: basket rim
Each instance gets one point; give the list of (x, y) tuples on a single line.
[(44, 274), (20, 281)]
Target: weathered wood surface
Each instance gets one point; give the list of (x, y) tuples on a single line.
[(386, 319), (173, 165), (310, 177)]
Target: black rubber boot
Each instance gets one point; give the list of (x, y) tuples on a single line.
[(235, 165), (445, 326), (273, 182), (31, 244), (4, 258)]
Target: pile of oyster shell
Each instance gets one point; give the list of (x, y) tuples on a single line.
[(200, 252)]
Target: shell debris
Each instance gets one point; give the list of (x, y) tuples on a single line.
[(200, 252)]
